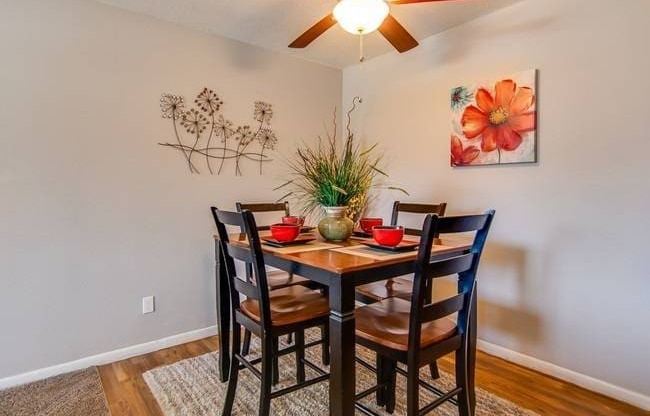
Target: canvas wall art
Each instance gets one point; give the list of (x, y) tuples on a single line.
[(495, 122)]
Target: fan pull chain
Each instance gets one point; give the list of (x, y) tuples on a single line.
[(361, 57)]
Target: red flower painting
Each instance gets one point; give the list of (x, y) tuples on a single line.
[(460, 156), (500, 118)]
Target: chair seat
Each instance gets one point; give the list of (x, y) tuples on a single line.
[(290, 305), (387, 323), (399, 287), (278, 279)]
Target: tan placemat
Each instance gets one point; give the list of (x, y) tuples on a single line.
[(375, 253), (299, 248)]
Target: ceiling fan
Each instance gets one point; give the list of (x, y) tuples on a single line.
[(361, 17)]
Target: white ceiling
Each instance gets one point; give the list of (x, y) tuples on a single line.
[(273, 24)]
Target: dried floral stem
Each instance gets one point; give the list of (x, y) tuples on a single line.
[(180, 143), (198, 136), (334, 124), (262, 153), (203, 151), (355, 100), (259, 128), (207, 159), (237, 172), (223, 158), (263, 146)]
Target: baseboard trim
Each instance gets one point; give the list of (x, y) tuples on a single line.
[(107, 357), (589, 383)]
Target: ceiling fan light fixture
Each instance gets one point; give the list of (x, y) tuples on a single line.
[(360, 17)]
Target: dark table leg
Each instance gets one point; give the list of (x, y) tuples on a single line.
[(342, 348), (223, 313)]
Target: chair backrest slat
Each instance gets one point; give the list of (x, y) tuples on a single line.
[(253, 258), (246, 289), (461, 224), (240, 253), (230, 218), (443, 308), (415, 208), (264, 207), (450, 266), (464, 266)]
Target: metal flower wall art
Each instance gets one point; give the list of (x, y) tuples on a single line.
[(206, 138), (495, 122)]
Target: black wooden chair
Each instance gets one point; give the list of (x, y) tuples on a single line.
[(400, 286), (267, 314), (418, 332), (277, 279)]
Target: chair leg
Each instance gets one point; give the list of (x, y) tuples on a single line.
[(276, 364), (390, 375), (300, 356), (412, 391), (325, 348), (386, 374), (433, 369), (381, 394), (290, 339), (464, 407), (234, 372), (247, 343), (267, 375)]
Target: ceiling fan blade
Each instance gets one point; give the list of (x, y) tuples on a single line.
[(395, 33), (313, 32), (413, 1)]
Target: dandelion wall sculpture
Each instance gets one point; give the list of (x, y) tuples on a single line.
[(214, 138)]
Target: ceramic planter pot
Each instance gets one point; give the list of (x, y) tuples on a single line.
[(335, 226)]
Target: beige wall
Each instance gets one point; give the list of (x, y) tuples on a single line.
[(94, 215), (566, 275)]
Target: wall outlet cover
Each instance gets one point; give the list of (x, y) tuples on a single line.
[(148, 305)]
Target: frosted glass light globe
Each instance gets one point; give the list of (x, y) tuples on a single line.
[(360, 16)]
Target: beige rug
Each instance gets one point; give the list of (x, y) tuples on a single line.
[(191, 388), (74, 394)]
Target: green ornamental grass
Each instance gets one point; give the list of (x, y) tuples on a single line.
[(334, 175)]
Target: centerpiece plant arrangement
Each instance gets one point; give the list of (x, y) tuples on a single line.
[(336, 177)]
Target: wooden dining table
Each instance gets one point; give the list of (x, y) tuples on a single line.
[(341, 269)]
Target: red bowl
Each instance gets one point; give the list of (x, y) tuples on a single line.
[(388, 235), (293, 220), (285, 232), (366, 224)]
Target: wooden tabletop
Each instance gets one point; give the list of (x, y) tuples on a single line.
[(337, 262)]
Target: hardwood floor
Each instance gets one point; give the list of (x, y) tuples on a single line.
[(128, 395)]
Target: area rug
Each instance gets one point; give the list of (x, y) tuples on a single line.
[(74, 394), (191, 388)]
